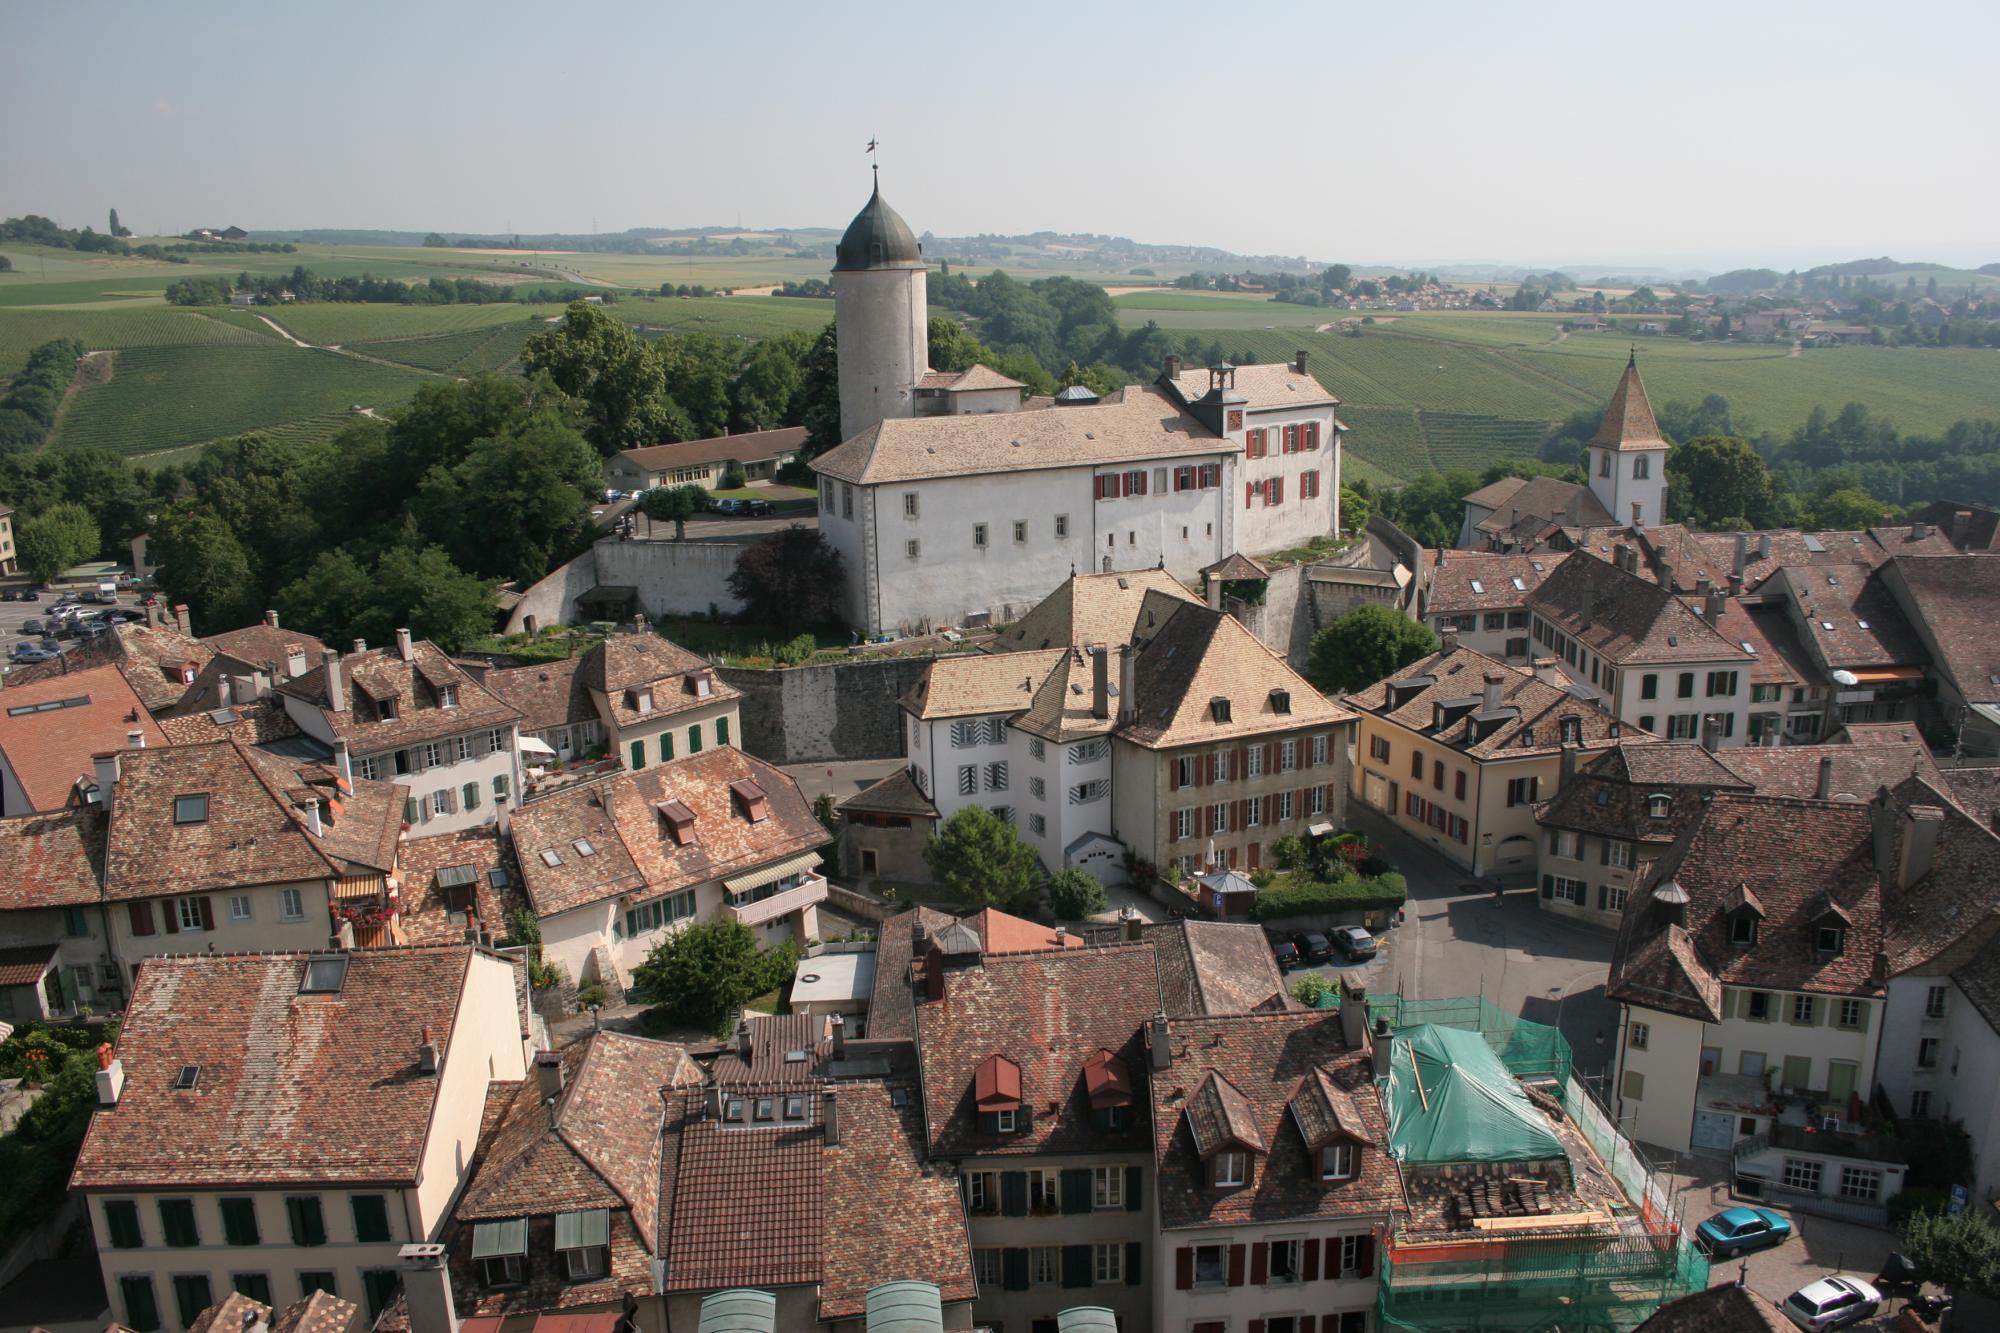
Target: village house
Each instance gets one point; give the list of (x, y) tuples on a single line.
[(319, 1154), (51, 728), (1513, 514), (56, 957), (757, 455), (1274, 1176), (1950, 602), (1457, 749), (611, 865), (318, 1313), (1848, 622), (409, 714), (1483, 597)]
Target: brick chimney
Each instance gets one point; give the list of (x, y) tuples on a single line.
[(427, 1051), (1100, 682), (110, 1076), (427, 1289), (1496, 681), (182, 620), (336, 686), (1130, 922), (1354, 1016)]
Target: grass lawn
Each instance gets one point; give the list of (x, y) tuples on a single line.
[(774, 1001)]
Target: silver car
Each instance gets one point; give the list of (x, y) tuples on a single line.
[(1832, 1302)]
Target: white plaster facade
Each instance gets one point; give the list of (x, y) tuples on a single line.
[(1941, 1060), (884, 319), (1278, 512), (1342, 1294), (1631, 483)]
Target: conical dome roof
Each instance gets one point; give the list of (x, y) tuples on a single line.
[(877, 238), (1628, 422)]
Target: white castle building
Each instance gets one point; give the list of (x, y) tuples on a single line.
[(953, 498)]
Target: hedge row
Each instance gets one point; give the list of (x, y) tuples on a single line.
[(1384, 892)]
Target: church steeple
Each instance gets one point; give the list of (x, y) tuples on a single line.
[(1627, 458), (1628, 423)]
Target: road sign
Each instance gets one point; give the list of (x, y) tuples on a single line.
[(1959, 1198)]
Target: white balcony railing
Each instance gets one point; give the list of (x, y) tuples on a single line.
[(810, 890)]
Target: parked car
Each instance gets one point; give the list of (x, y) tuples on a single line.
[(728, 506), (613, 496), (1832, 1302), (10, 595), (130, 615), (29, 652), (1354, 942), (755, 508), (34, 628), (1736, 1231), (1285, 952), (30, 595), (1313, 946), (92, 629)]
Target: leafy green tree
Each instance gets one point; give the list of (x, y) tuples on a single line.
[(431, 597), (616, 375), (768, 385), (702, 975), (519, 502), (116, 229), (980, 859), (673, 504), (1714, 478), (819, 394), (1960, 1254), (1074, 894), (1354, 509), (1312, 988), (1289, 852), (953, 346), (698, 371), (202, 563), (1848, 509), (1431, 508), (333, 598), (6, 264), (1365, 645), (59, 537), (791, 579), (436, 241)]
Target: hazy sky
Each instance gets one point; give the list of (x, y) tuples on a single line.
[(1381, 133)]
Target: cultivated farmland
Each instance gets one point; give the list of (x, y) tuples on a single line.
[(21, 331)]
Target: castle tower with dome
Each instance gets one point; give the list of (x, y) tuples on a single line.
[(880, 306)]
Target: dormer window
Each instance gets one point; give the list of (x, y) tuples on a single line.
[(1218, 710), (1228, 1168), (735, 1111), (640, 699), (447, 696), (996, 1095), (583, 1240), (751, 799), (1659, 805), (1109, 1088), (678, 821), (1831, 940), (1281, 701), (500, 1249), (1743, 930), (1572, 730), (385, 710), (188, 672), (1336, 1161), (1003, 1122), (702, 684)]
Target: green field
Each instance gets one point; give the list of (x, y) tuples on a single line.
[(164, 397), (21, 331), (332, 323)]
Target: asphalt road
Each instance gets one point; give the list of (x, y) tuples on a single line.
[(15, 614)]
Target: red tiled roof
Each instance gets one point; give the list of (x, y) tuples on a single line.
[(49, 750), (747, 1203), (746, 448), (996, 1084), (52, 860), (427, 906), (25, 966), (1626, 619)]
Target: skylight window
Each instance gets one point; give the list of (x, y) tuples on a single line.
[(324, 976), (1862, 623), (497, 877), (1539, 567), (1520, 584), (583, 847), (1826, 624), (551, 857), (186, 1079), (1748, 649), (191, 809), (1477, 586)]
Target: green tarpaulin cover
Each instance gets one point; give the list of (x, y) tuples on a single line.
[(1451, 1099)]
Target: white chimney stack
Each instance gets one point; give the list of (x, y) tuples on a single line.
[(135, 740), (427, 1290), (110, 1076), (404, 649)]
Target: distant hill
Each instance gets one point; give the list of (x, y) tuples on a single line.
[(1875, 268)]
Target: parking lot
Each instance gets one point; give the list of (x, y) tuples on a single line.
[(15, 615)]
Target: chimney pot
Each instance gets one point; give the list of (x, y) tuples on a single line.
[(1100, 682), (183, 620), (1495, 683), (1379, 1047), (1173, 367), (1131, 921), (1823, 790), (1711, 733), (1448, 639), (427, 1054), (336, 685), (1354, 1016), (1716, 600), (1159, 1044), (1299, 362), (110, 1078), (427, 1289), (1212, 587), (271, 619), (1742, 554), (836, 1027), (743, 1043), (135, 740), (361, 645)]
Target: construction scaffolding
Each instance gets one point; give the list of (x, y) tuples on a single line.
[(1529, 1050)]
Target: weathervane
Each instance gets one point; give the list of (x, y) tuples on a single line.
[(873, 164)]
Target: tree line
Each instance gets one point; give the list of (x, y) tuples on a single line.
[(34, 396), (302, 284)]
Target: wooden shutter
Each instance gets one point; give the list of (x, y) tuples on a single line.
[(1256, 1326), (1271, 757), (1076, 1268), (1184, 1268), (1135, 1254), (1173, 774), (451, 800), (1076, 1189), (1236, 1268), (1306, 1324), (1132, 1178), (170, 913), (1364, 1257), (207, 913), (1014, 1194), (141, 914), (1014, 1269), (1249, 494), (1309, 1260)]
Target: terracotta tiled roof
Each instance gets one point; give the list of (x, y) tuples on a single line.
[(1001, 932), (749, 447), (362, 823), (151, 659), (1268, 1060), (1625, 619), (253, 723), (1236, 566), (546, 694), (380, 673), (1859, 771), (1494, 494), (49, 750), (1769, 635), (264, 643), (1957, 599), (1628, 421), (1665, 971), (1276, 384), (1541, 502), (632, 852), (600, 1148), (1217, 967), (774, 1039), (915, 1219), (545, 1286), (1191, 657), (1064, 706), (890, 1012), (1952, 914), (1131, 425), (52, 860), (1048, 1012), (1976, 790), (25, 965), (321, 1312), (897, 794), (228, 1315), (1728, 1308), (1530, 719), (1091, 609), (747, 1204), (973, 686), (968, 380), (313, 1089), (625, 661), (1451, 590), (1850, 619), (1980, 980), (1611, 794), (427, 905)]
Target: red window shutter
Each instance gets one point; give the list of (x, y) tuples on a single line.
[(1256, 1325), (170, 913), (1254, 849), (1271, 757), (1184, 1268), (1259, 1268), (1302, 807), (142, 917), (1173, 775), (1236, 1268), (1277, 490), (1249, 493), (1364, 1257), (1312, 435), (1306, 1324), (1309, 1260), (207, 914), (1241, 819)]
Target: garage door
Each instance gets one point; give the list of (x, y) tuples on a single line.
[(1713, 1129), (1375, 790)]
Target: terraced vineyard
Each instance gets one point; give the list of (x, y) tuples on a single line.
[(1464, 440), (466, 352), (21, 331), (165, 397), (331, 323)]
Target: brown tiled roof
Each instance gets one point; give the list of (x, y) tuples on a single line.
[(1191, 656), (627, 660), (1957, 598), (150, 658), (1090, 609), (1625, 619), (914, 1227), (897, 794), (263, 643), (1064, 706), (600, 1148), (1982, 526), (546, 694), (1451, 590), (1217, 967), (1269, 1060), (1628, 421), (48, 751), (1851, 619), (1947, 917), (1611, 793), (1530, 719), (380, 673), (312, 1089), (254, 723), (1495, 493), (745, 448), (1543, 501), (427, 907), (1275, 384), (363, 823), (1236, 566), (1665, 971), (25, 965), (321, 1312), (747, 1204), (228, 1315), (972, 686), (1980, 980), (773, 1038), (251, 835), (1768, 634), (633, 853), (972, 378), (545, 1286), (52, 860), (1048, 1012), (1859, 771), (890, 1011), (1728, 1308), (1003, 932), (1131, 425), (1976, 790)]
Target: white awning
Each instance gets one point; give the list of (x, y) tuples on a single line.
[(530, 745), (771, 874)]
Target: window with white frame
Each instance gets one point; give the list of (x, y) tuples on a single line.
[(291, 905), (187, 911), (1350, 1253), (1860, 1183), (239, 907), (1218, 817), (1288, 755), (1641, 1033), (1089, 752), (996, 776), (1336, 1161), (1083, 793), (909, 504), (1565, 890), (434, 754), (1038, 789), (968, 779), (1564, 843), (370, 768), (1316, 800), (461, 748), (996, 731), (1319, 744), (1107, 1261), (1211, 1265), (1801, 1173), (1044, 1265), (982, 1194), (1107, 1187), (1184, 770), (1184, 822), (1286, 1261), (986, 1268), (1850, 1014), (1004, 813), (1287, 800), (1254, 761), (1253, 812), (441, 801), (1044, 1190), (1934, 1002), (1231, 1167), (1617, 855), (496, 740)]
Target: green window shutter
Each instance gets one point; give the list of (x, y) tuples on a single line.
[(1133, 1177), (722, 731), (191, 1296), (239, 1221), (121, 1221), (1014, 1197), (380, 1286), (1076, 1189), (638, 754), (1076, 1266), (371, 1217), (666, 746), (1135, 1254), (257, 1286), (1013, 1266), (1728, 1004), (142, 1311), (177, 1223), (694, 739), (1867, 1010), (308, 1225)]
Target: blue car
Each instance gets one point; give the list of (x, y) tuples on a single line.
[(1736, 1231)]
